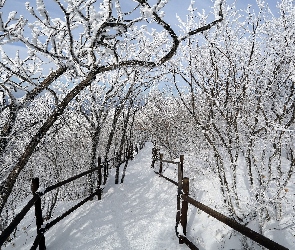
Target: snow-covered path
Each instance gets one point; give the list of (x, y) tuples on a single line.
[(138, 214)]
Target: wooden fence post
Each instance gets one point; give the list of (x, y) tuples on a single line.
[(153, 157), (161, 164), (155, 154), (181, 159), (180, 176), (184, 206), (131, 152), (126, 153), (105, 167), (136, 148), (99, 178), (38, 213), (178, 197), (99, 170), (117, 168)]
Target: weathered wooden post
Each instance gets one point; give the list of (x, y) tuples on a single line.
[(131, 152), (99, 170), (105, 166), (161, 164), (117, 168), (178, 197), (38, 212), (180, 176), (99, 175), (154, 157), (136, 148), (184, 207), (181, 159), (126, 153), (99, 193)]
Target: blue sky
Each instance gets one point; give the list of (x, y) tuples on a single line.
[(171, 9), (179, 7), (174, 6)]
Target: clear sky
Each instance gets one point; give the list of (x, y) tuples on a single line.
[(173, 7), (179, 7)]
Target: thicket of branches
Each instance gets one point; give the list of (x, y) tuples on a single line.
[(92, 81), (71, 93), (232, 103)]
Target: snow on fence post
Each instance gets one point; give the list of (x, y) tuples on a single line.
[(161, 164), (184, 207), (38, 212), (181, 159), (117, 168)]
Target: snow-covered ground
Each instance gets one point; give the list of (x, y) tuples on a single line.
[(138, 214)]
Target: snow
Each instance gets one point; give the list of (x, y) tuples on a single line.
[(41, 190), (217, 6), (138, 214), (147, 11)]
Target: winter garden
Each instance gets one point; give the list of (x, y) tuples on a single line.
[(85, 79)]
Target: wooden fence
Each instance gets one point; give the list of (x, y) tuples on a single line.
[(183, 199), (102, 171)]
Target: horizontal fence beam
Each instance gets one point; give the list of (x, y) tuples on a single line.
[(188, 242), (50, 224), (59, 184), (262, 240), (17, 219), (167, 161), (166, 178)]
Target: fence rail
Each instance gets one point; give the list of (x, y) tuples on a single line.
[(166, 178), (183, 199), (262, 240), (37, 194), (50, 224)]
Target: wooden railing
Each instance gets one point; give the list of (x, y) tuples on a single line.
[(183, 199), (102, 170)]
